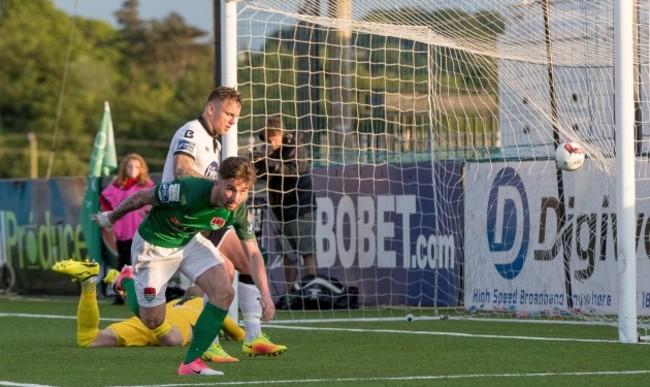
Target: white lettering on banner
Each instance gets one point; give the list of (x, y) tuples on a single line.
[(325, 237), (385, 230), (366, 221), (405, 205), (346, 215), (368, 232)]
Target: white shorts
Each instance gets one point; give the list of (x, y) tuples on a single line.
[(154, 266)]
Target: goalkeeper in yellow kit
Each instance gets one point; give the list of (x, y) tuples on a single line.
[(181, 313)]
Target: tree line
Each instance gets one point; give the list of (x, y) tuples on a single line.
[(56, 71)]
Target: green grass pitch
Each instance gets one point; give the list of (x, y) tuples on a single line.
[(37, 348)]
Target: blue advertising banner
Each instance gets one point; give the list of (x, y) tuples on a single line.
[(39, 225), (394, 231)]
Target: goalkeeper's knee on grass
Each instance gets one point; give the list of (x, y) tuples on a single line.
[(167, 335)]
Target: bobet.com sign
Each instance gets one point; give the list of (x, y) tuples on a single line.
[(520, 253), (392, 222)]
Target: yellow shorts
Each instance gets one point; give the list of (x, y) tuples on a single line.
[(181, 313)]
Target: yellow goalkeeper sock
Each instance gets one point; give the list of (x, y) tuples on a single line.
[(233, 330), (87, 318)]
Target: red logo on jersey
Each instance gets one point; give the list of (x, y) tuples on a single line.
[(217, 223), (150, 293)]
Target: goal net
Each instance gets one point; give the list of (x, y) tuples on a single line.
[(431, 128)]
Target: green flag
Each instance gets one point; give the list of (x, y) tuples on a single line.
[(103, 162)]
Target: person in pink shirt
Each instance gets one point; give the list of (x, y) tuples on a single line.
[(133, 176)]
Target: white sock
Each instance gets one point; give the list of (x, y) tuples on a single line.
[(249, 303)]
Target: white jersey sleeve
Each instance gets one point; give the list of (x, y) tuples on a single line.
[(193, 140)]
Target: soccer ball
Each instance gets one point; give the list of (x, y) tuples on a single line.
[(569, 156)]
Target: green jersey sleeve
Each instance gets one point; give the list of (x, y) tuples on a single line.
[(243, 223)]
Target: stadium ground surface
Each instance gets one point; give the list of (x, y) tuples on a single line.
[(37, 337)]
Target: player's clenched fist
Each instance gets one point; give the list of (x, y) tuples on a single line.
[(102, 220)]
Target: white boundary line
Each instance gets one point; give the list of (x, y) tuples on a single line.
[(454, 334), (406, 378), (51, 316), (278, 325)]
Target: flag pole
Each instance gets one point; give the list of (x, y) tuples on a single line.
[(103, 162)]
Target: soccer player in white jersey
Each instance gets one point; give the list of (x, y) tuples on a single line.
[(195, 150)]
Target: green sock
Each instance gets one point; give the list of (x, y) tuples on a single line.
[(129, 287), (206, 329)]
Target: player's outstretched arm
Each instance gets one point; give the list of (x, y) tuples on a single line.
[(131, 203), (257, 271)]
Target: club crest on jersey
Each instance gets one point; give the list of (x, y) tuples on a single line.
[(149, 293), (217, 223)]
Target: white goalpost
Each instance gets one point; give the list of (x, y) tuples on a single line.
[(625, 170), (431, 129)]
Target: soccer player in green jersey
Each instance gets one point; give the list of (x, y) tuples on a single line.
[(169, 239)]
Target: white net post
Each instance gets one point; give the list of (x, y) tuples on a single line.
[(228, 38), (625, 170)]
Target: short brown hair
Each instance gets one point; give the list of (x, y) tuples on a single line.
[(223, 93), (274, 125), (238, 168)]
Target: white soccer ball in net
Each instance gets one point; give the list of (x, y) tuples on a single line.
[(569, 156)]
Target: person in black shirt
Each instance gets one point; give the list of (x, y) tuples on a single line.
[(283, 162)]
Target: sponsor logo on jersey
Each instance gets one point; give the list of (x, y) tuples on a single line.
[(217, 223), (163, 192), (185, 146), (150, 293), (168, 192)]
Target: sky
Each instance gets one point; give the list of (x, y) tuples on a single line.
[(196, 13)]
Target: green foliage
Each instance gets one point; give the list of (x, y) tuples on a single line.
[(56, 72)]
